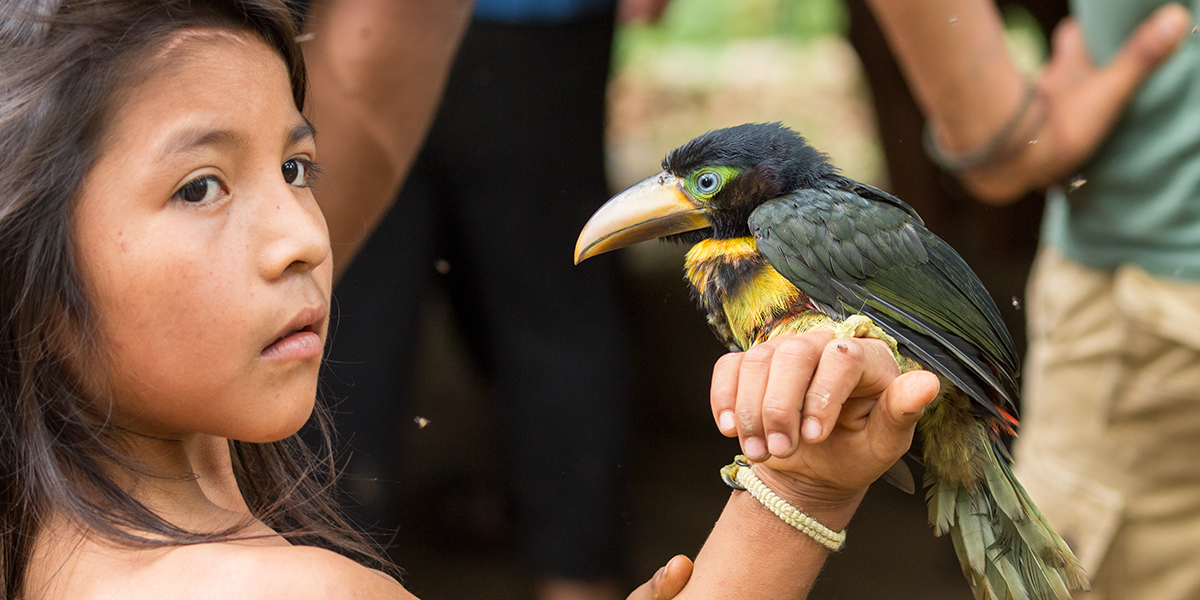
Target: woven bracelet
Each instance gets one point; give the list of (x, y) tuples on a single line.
[(739, 476), (989, 152)]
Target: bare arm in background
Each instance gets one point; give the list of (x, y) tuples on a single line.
[(376, 69), (953, 56)]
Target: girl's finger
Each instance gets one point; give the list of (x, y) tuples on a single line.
[(792, 367), (838, 373), (905, 399), (675, 576), (723, 394), (850, 367), (875, 369), (751, 387), (900, 407), (855, 412)]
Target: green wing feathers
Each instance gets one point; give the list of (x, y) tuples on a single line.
[(856, 250), (855, 255)]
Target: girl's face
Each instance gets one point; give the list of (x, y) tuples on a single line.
[(206, 258)]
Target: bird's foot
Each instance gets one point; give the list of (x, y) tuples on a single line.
[(729, 471), (861, 326)]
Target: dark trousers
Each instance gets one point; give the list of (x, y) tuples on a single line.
[(513, 167)]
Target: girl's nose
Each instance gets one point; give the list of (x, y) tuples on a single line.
[(297, 239)]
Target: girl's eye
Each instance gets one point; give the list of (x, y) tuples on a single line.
[(708, 182), (295, 172), (200, 189)]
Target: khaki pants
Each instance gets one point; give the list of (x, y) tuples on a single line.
[(1110, 438)]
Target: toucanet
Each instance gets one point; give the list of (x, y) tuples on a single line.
[(782, 242)]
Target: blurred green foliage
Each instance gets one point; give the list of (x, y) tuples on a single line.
[(1024, 38), (714, 22)]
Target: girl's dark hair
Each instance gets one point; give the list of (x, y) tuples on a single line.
[(62, 63)]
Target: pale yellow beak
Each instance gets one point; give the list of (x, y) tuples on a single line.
[(654, 208)]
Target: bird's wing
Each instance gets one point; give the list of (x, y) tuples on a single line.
[(853, 251)]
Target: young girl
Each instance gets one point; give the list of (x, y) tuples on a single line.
[(165, 279)]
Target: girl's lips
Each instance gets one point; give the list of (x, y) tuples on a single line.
[(300, 338), (297, 345)]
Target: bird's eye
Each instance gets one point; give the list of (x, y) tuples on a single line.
[(708, 182)]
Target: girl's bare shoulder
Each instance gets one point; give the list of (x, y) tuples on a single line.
[(96, 570), (293, 572)]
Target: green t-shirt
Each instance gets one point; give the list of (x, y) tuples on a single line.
[(1141, 200)]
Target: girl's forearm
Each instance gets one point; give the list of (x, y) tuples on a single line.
[(751, 553)]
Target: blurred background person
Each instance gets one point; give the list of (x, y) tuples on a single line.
[(513, 163), (376, 71), (1111, 422)]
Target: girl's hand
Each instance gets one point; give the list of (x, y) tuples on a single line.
[(667, 582), (827, 416)]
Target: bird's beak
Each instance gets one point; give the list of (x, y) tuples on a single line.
[(656, 207)]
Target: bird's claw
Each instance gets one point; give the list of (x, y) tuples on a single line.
[(729, 471), (861, 326)]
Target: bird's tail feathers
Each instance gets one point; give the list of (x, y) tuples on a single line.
[(1005, 546)]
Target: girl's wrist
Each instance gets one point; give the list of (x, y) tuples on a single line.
[(829, 505)]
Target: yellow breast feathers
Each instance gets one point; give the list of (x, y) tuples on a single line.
[(741, 292)]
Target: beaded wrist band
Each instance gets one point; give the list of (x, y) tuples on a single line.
[(739, 476)]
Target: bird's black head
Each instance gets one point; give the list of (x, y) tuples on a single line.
[(708, 189), (733, 171)]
